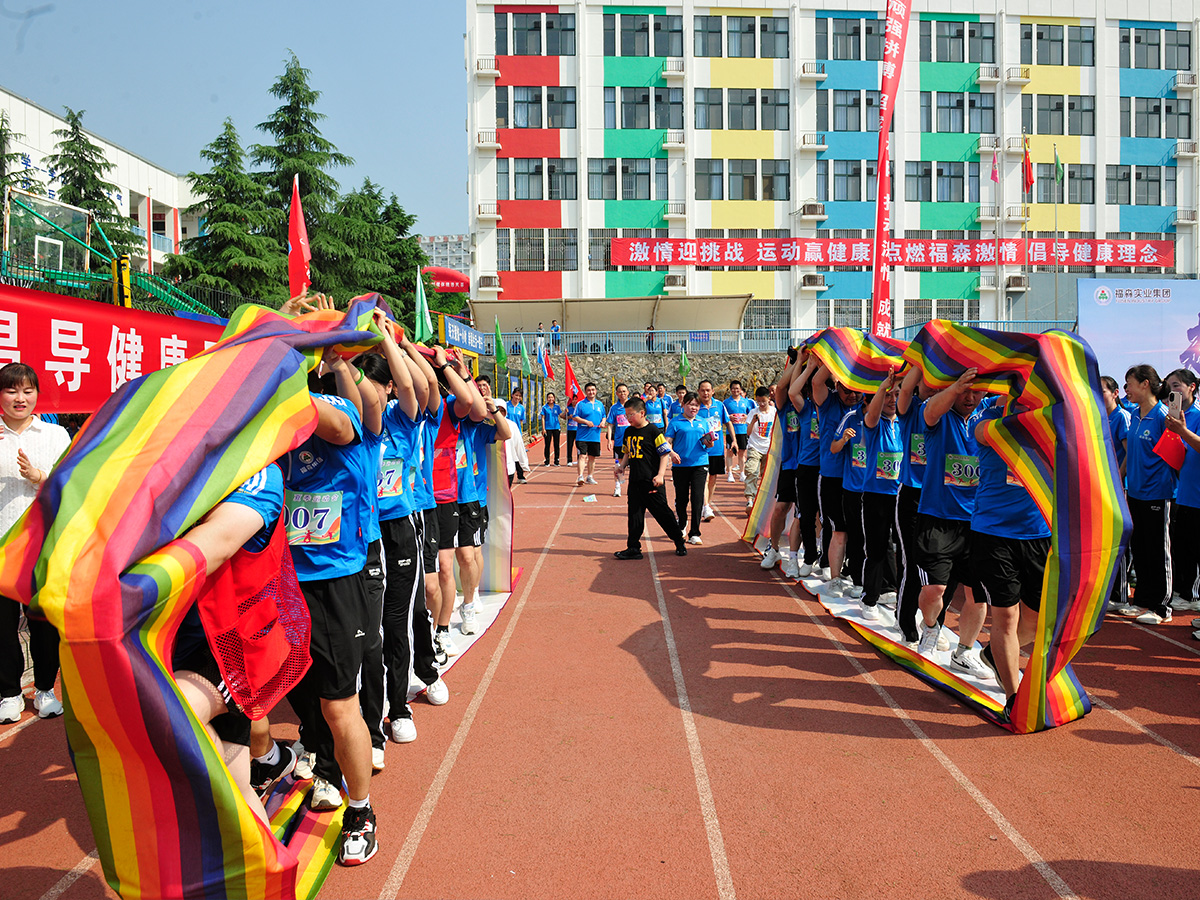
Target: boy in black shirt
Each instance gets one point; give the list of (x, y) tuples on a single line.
[(644, 454)]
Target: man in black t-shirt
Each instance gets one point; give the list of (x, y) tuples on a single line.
[(645, 451)]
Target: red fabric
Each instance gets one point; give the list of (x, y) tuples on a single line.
[(445, 449), (1170, 447), (298, 252), (1027, 170), (570, 383)]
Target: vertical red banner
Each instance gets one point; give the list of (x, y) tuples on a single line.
[(895, 36)]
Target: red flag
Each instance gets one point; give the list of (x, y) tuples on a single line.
[(298, 252), (1027, 169), (570, 383), (546, 370)]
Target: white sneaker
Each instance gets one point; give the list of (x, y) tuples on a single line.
[(1129, 611), (11, 708), (804, 570), (771, 557), (305, 762), (929, 637), (834, 587), (742, 477), (443, 642), (617, 489), (707, 514), (468, 619), (404, 731), (943, 642), (324, 796), (1179, 604), (888, 599), (790, 567), (870, 613), (437, 693), (749, 503), (1149, 617), (853, 591), (965, 661), (589, 480), (730, 478), (377, 761), (823, 573), (695, 539), (47, 705)]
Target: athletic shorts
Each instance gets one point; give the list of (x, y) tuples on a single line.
[(470, 524), (428, 537), (341, 627), (830, 499), (486, 519), (232, 726), (447, 525), (716, 465), (944, 551), (588, 448), (785, 488), (741, 441), (1010, 570)]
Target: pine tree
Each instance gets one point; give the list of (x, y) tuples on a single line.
[(357, 244), (12, 169), (300, 149), (238, 251)]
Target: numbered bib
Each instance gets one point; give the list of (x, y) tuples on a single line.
[(916, 450), (313, 518), (887, 466), (962, 471), (738, 418), (391, 478), (814, 429), (793, 422), (858, 456)]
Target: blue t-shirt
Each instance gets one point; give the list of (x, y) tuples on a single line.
[(593, 411), (1118, 427), (684, 435), (1148, 475), (400, 461), (885, 455), (789, 448), (738, 410), (654, 412), (516, 414), (952, 467), (571, 426), (810, 435), (830, 415), (854, 453), (330, 489), (263, 493), (1189, 474), (616, 418), (481, 435), (429, 423), (551, 414), (674, 409), (717, 416), (374, 445), (1003, 506), (912, 424)]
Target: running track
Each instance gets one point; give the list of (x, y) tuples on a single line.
[(696, 728)]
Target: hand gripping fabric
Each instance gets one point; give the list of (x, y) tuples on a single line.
[(858, 361), (99, 555)]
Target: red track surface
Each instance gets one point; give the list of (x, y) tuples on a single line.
[(566, 765)]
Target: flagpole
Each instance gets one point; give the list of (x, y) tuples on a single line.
[(1025, 194), (1055, 183), (1001, 294)]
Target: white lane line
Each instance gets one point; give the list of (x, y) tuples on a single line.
[(708, 807), (81, 868), (408, 852), (18, 728), (1133, 723), (1026, 849), (1163, 637)]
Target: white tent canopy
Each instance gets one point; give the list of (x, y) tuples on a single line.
[(666, 312)]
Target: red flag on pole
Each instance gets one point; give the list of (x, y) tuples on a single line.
[(546, 370), (298, 252), (570, 383), (1027, 169)]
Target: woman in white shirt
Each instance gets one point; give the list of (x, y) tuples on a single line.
[(29, 449)]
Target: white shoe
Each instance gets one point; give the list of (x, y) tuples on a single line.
[(589, 480), (377, 761), (804, 570), (730, 478), (404, 731), (965, 661), (468, 618), (437, 693), (790, 567), (47, 705), (617, 489), (443, 642), (305, 762), (1149, 617), (929, 637), (943, 642), (889, 600), (11, 708), (835, 587), (853, 591), (1179, 604), (771, 557), (324, 796), (823, 573), (870, 613), (707, 514), (695, 539), (749, 503)]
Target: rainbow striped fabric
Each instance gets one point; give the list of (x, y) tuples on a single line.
[(758, 523), (99, 555), (497, 575), (859, 361)]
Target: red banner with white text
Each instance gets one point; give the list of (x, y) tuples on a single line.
[(900, 252), (83, 350)]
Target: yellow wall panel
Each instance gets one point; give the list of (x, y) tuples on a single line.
[(743, 214), (1054, 80), (1049, 20), (1041, 217), (730, 144), (760, 284), (741, 73), (1041, 148)]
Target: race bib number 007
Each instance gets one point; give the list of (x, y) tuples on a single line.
[(313, 518), (391, 478)]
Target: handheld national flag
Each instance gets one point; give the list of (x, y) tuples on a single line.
[(526, 368), (685, 367), (545, 360), (299, 277), (1059, 171), (424, 329), (995, 167), (1027, 169), (570, 383), (501, 354)]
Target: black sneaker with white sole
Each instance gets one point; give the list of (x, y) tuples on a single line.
[(358, 836), (264, 777)]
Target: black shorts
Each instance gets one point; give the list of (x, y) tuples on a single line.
[(716, 465), (341, 628), (232, 726), (944, 551), (741, 441), (1010, 570), (427, 535), (486, 519), (830, 499), (447, 525), (470, 524), (785, 488), (588, 448)]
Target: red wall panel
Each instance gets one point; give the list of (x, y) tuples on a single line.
[(531, 285), (528, 70), (536, 143), (530, 214)]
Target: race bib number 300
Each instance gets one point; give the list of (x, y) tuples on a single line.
[(916, 450), (313, 518), (887, 466), (962, 471)]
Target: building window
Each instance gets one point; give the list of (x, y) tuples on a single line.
[(823, 180), (1146, 114), (560, 34), (610, 107), (502, 34), (741, 36), (668, 35), (502, 106), (1050, 45), (1177, 116), (563, 176), (1169, 173), (972, 182), (821, 36), (1048, 189), (527, 179), (872, 180), (873, 39), (743, 179), (636, 233), (1145, 48), (1027, 113), (1026, 45), (776, 179), (527, 34), (531, 249), (926, 30), (950, 182), (775, 109), (662, 182), (502, 179), (1117, 185), (1126, 118), (742, 115), (949, 112), (708, 109), (708, 36), (564, 249), (846, 38), (918, 181), (848, 312), (847, 179), (773, 39), (610, 34), (950, 41), (822, 110), (560, 107), (1049, 114), (527, 107), (1146, 188), (503, 250), (981, 42), (635, 107), (668, 108), (871, 114), (981, 109), (1081, 184), (846, 108), (1081, 45), (603, 179), (1177, 50), (926, 113), (600, 249), (635, 35), (710, 179), (1081, 114), (635, 179), (769, 313)]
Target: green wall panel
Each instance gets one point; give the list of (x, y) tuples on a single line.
[(949, 285), (641, 10), (952, 148), (633, 71), (634, 214), (640, 143), (942, 76), (949, 216), (948, 17), (633, 284)]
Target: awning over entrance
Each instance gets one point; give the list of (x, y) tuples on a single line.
[(665, 312)]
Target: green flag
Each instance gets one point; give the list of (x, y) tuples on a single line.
[(501, 355), (526, 368), (1059, 173), (685, 367), (424, 329)]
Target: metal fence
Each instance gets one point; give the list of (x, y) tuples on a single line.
[(1028, 326)]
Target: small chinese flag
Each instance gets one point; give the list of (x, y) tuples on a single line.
[(1027, 169)]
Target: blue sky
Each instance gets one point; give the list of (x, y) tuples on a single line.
[(160, 77)]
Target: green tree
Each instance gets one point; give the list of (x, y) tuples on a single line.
[(357, 239), (238, 251), (80, 167), (12, 168), (300, 149)]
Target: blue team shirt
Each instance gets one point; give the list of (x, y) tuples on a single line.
[(854, 453), (263, 493), (654, 412), (374, 445), (400, 461), (616, 418), (1003, 506), (571, 426), (1189, 473), (684, 435), (674, 409), (423, 489), (717, 416), (481, 435), (593, 411), (830, 415), (1148, 475), (793, 422), (551, 417), (885, 456), (1118, 427), (952, 466), (738, 410), (912, 425), (810, 435), (516, 414)]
